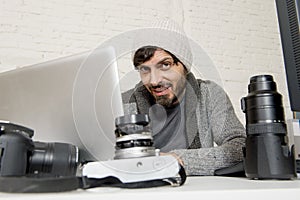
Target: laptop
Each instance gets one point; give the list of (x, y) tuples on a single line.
[(74, 100)]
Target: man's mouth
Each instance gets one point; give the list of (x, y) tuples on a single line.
[(160, 91)]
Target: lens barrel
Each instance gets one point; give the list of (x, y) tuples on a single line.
[(53, 159), (267, 154), (133, 137), (263, 103)]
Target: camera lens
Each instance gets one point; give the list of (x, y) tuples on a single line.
[(53, 159), (263, 103), (267, 154), (133, 137)]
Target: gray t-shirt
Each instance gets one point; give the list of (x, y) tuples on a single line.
[(168, 127)]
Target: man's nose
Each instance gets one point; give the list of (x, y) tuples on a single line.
[(155, 77)]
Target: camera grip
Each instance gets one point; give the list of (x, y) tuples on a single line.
[(14, 154)]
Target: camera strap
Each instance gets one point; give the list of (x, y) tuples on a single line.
[(62, 184), (26, 184)]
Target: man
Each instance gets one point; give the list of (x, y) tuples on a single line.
[(191, 119)]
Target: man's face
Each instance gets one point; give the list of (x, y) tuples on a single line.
[(164, 79)]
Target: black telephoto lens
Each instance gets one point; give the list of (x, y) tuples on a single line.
[(267, 154), (53, 159)]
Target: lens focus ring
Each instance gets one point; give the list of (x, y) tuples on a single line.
[(264, 128)]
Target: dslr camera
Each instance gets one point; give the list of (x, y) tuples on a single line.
[(136, 162), (21, 156)]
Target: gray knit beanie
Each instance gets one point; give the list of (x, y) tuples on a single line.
[(168, 35)]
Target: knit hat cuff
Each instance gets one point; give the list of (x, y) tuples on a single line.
[(169, 37)]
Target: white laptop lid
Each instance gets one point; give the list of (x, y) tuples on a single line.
[(73, 99)]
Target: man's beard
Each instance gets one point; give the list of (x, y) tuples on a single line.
[(167, 102), (164, 100)]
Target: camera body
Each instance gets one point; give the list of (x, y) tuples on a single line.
[(21, 156), (267, 154), (137, 170)]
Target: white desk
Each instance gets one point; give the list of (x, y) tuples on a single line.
[(205, 188)]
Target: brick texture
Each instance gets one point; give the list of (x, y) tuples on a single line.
[(240, 37)]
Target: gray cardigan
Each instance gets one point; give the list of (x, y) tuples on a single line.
[(215, 135)]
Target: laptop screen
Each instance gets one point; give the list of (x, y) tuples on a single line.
[(73, 100)]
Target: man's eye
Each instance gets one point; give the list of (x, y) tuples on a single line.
[(144, 69), (165, 66)]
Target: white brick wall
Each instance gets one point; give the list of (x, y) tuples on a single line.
[(240, 36)]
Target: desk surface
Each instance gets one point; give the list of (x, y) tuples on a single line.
[(195, 188)]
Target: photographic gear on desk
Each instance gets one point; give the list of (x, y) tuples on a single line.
[(35, 167), (266, 154), (137, 163), (21, 156)]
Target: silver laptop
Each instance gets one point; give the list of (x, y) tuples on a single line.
[(73, 100)]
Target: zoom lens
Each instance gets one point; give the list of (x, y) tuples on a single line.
[(267, 154), (263, 103), (133, 137), (53, 159)]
